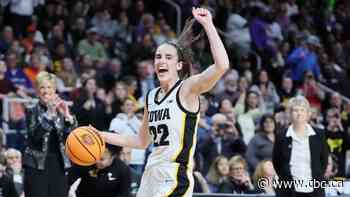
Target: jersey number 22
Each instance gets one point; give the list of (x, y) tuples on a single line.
[(160, 135)]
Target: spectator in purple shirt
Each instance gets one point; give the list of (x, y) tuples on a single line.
[(16, 74), (260, 39)]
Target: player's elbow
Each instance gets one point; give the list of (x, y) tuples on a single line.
[(223, 67)]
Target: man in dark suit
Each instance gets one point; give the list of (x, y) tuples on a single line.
[(300, 154)]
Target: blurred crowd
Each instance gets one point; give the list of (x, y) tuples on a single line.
[(102, 52)]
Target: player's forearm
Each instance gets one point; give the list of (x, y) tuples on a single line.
[(132, 141), (217, 47)]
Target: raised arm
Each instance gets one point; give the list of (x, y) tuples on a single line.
[(140, 141), (204, 81)]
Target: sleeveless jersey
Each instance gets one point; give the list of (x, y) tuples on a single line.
[(172, 127)]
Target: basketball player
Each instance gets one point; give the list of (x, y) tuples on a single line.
[(171, 113)]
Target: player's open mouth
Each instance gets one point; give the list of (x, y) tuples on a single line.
[(162, 70)]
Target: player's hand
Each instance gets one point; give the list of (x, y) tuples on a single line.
[(98, 132), (203, 16), (92, 128)]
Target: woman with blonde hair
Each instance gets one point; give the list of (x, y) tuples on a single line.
[(14, 168), (44, 159), (264, 171), (300, 153)]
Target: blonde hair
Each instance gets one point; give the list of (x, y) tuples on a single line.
[(237, 160), (44, 77), (260, 171), (299, 101), (12, 151)]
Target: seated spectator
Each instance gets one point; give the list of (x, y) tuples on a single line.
[(261, 145), (6, 39), (267, 90), (265, 171), (232, 122), (145, 26), (59, 38), (7, 185), (145, 77), (338, 140), (332, 167), (14, 165), (316, 119), (224, 139), (112, 74), (78, 30), (217, 173), (34, 67), (6, 86), (125, 156), (28, 41), (131, 84), (336, 101), (92, 47), (109, 177), (262, 42), (230, 87), (331, 171), (303, 59), (117, 95), (16, 75), (104, 24), (88, 108), (286, 90), (68, 77), (249, 109), (225, 106), (312, 91), (238, 181), (238, 34)]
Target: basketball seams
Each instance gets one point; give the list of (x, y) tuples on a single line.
[(84, 146), (73, 155), (97, 139), (81, 153)]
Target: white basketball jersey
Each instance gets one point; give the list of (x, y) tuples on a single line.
[(172, 128)]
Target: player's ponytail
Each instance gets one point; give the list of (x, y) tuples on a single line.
[(184, 49)]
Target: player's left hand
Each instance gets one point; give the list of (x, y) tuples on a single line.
[(202, 15)]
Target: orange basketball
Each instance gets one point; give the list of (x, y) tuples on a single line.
[(84, 147)]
